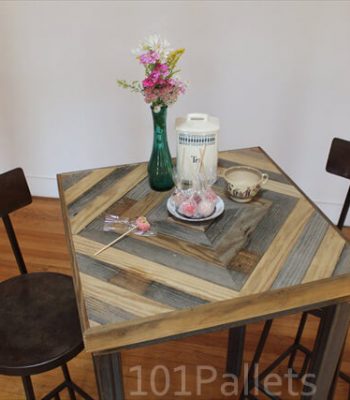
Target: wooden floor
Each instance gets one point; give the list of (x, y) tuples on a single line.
[(40, 233)]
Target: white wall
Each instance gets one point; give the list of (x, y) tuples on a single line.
[(275, 73)]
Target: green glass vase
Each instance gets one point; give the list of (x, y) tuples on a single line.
[(160, 166)]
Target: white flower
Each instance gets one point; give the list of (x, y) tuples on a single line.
[(156, 109), (154, 43)]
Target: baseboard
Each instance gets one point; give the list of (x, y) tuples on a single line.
[(44, 186)]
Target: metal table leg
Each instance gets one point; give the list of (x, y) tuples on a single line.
[(235, 348), (108, 371), (327, 351)]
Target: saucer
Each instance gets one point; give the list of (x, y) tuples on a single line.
[(219, 209)]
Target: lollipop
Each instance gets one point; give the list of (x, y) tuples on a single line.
[(141, 226)]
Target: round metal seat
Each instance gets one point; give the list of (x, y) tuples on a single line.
[(39, 325)]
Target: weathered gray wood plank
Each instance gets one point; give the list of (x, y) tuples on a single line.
[(69, 180), (102, 186), (343, 266), (303, 253), (149, 289)]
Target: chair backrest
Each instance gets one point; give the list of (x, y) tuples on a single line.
[(339, 158), (339, 164), (14, 194)]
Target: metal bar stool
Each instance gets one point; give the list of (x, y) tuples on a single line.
[(338, 164), (39, 324)]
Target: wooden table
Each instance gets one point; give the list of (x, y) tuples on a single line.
[(276, 255)]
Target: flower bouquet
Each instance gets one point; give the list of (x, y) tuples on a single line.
[(160, 88)]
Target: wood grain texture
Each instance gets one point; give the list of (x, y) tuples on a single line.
[(200, 276), (86, 183), (327, 256), (153, 271), (263, 276), (251, 157), (41, 236), (107, 198)]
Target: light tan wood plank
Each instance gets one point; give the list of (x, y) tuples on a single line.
[(250, 158), (155, 272), (272, 261), (81, 187), (327, 256), (93, 323), (240, 310), (282, 188), (107, 198), (113, 295)]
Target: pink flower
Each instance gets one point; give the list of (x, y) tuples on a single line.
[(163, 69), (147, 83), (149, 58)]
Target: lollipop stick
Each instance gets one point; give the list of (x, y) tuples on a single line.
[(115, 241)]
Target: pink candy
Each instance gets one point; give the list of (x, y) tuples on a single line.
[(142, 224), (188, 208), (195, 204)]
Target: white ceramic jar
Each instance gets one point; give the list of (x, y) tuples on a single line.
[(197, 148)]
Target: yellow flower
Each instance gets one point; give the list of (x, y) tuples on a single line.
[(174, 57)]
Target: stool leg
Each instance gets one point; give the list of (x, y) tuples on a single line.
[(235, 348), (249, 383), (28, 388), (327, 351), (69, 381)]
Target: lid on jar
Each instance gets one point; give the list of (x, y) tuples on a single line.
[(198, 123)]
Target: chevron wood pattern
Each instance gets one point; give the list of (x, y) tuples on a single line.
[(265, 258)]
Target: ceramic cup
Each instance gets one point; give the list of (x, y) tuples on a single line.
[(243, 183)]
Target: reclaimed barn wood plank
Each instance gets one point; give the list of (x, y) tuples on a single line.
[(86, 183), (68, 179), (102, 312), (232, 312), (103, 185), (132, 303), (136, 283), (179, 262), (302, 254), (266, 271), (282, 188), (145, 205), (153, 271), (327, 256), (343, 266), (250, 158), (272, 223), (105, 199)]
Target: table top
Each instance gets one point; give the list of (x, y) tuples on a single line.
[(275, 255)]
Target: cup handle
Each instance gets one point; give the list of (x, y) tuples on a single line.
[(265, 178)]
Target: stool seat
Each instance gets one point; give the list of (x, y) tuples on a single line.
[(39, 324)]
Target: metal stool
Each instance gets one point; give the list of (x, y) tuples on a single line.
[(39, 324)]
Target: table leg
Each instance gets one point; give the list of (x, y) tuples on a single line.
[(327, 351), (109, 377), (235, 348)]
